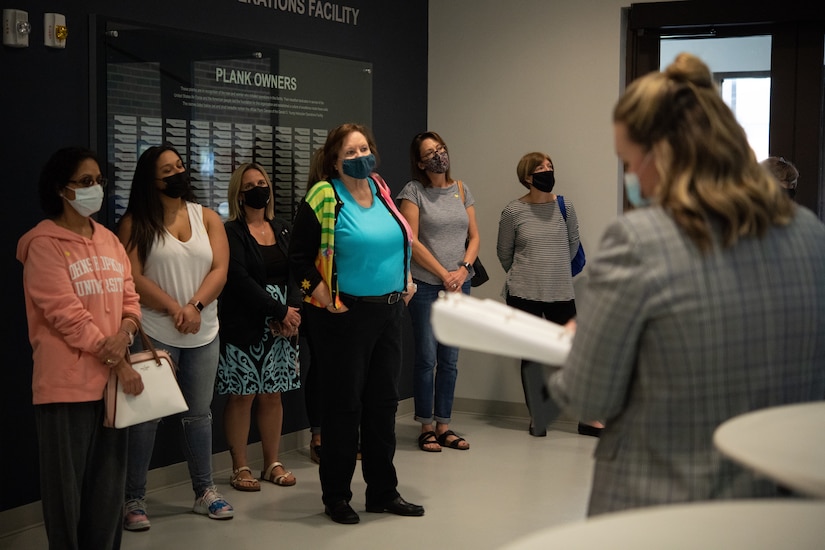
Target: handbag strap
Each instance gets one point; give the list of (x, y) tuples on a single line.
[(461, 191), (147, 345), (562, 207)]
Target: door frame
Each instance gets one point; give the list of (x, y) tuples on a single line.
[(797, 29)]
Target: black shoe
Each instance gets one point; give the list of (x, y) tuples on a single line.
[(342, 512), (586, 429), (536, 433), (399, 507)]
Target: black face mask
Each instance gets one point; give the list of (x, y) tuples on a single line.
[(544, 181), (791, 192), (257, 197), (177, 185)]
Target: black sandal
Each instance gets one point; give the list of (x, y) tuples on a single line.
[(455, 443), (428, 438)]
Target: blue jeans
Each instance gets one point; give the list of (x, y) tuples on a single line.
[(196, 375), (435, 370)]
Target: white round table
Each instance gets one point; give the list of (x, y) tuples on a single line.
[(767, 524), (785, 444)]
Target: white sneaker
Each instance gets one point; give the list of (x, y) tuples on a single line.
[(211, 503)]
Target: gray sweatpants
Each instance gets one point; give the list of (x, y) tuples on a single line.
[(82, 476)]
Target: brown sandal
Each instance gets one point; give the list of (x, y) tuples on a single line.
[(284, 480), (246, 484)]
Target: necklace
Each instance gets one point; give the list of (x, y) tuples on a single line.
[(260, 228)]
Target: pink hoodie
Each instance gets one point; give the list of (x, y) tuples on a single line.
[(77, 291)]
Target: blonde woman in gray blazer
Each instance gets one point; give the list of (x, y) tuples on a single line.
[(705, 304)]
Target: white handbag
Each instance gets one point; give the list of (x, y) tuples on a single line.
[(161, 395)]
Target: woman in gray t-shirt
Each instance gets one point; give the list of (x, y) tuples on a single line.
[(441, 214)]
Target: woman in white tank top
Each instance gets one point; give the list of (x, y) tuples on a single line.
[(179, 256)]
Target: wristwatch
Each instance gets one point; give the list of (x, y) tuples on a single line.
[(198, 305), (465, 265)]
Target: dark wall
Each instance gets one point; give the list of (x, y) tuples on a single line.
[(44, 105)]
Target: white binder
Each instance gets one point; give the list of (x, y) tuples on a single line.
[(490, 326)]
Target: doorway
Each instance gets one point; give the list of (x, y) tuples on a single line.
[(742, 67), (774, 49)]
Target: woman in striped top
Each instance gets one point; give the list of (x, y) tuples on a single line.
[(535, 246)]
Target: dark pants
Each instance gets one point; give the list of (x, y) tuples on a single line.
[(311, 368), (82, 476), (359, 353), (533, 380)]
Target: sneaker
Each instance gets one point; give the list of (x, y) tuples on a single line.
[(211, 503), (134, 516)]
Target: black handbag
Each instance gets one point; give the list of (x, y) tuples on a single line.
[(479, 273)]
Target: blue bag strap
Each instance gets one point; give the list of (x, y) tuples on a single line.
[(562, 207)]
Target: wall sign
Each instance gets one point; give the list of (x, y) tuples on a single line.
[(221, 104)]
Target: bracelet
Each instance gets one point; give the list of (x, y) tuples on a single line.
[(414, 286), (465, 265), (137, 328), (130, 335)]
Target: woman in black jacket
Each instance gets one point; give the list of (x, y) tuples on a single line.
[(259, 311)]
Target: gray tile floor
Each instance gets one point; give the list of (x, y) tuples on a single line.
[(507, 485)]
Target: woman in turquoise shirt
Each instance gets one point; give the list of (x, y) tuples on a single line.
[(350, 255)]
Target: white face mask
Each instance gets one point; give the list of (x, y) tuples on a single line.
[(633, 189), (87, 200)]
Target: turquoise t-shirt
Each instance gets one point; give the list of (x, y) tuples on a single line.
[(369, 247)]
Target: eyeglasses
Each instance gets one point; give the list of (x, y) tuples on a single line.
[(437, 151), (88, 181)]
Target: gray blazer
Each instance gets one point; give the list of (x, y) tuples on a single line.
[(671, 343)]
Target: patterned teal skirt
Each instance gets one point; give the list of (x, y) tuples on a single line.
[(269, 366)]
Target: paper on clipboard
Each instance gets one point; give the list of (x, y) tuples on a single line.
[(490, 326)]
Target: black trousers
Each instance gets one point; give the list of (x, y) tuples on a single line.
[(358, 354), (533, 380)]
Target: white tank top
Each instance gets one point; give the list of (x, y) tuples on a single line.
[(179, 269)]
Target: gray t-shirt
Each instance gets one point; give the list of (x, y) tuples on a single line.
[(442, 225)]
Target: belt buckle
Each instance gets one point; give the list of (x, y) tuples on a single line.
[(393, 297)]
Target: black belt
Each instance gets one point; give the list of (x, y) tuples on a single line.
[(390, 298)]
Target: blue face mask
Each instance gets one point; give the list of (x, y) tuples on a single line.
[(359, 167), (633, 189)]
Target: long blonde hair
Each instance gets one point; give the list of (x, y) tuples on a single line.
[(708, 174)]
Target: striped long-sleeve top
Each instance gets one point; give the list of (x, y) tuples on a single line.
[(535, 246)]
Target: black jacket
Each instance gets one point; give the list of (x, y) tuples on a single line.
[(244, 302)]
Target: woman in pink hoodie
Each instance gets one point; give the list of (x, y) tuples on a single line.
[(82, 312)]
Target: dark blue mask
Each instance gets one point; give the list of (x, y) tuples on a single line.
[(359, 167)]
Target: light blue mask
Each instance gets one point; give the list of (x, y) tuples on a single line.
[(633, 189), (359, 167)]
